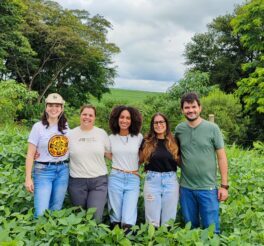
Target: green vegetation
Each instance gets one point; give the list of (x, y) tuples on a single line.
[(231, 52), (126, 96), (51, 49), (242, 215), (44, 48)]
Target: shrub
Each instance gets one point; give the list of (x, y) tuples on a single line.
[(15, 98), (228, 115)]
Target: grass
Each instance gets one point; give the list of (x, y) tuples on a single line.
[(128, 96)]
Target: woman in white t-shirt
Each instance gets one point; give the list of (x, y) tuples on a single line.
[(88, 172), (48, 138), (124, 182)]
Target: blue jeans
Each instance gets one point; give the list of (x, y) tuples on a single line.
[(161, 195), (50, 186), (200, 207), (123, 192)]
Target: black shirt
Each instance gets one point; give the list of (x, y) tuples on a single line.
[(161, 159)]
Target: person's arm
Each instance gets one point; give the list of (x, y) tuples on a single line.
[(223, 168), (29, 164), (140, 154), (108, 155)]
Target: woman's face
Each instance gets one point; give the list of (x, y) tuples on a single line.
[(124, 120), (53, 110), (87, 117), (160, 126)]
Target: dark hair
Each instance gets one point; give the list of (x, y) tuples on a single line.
[(190, 97), (62, 123), (151, 140), (88, 106), (136, 119)]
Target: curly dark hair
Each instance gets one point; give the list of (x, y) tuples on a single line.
[(151, 140), (136, 119), (62, 123)]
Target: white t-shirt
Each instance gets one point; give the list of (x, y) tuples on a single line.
[(125, 151), (87, 150), (51, 144)]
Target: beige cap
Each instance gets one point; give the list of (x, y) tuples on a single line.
[(54, 98)]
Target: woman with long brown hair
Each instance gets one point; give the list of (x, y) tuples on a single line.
[(47, 157), (159, 152)]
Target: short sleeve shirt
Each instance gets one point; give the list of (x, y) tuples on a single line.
[(87, 149), (125, 151), (161, 160), (51, 144), (197, 148)]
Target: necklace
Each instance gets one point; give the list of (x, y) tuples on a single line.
[(124, 139)]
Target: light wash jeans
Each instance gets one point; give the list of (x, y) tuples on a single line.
[(200, 207), (123, 192), (50, 186), (161, 195)]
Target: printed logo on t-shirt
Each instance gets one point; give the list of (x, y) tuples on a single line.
[(89, 140), (58, 145)]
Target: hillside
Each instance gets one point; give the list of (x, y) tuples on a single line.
[(130, 96)]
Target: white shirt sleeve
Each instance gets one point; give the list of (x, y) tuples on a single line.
[(107, 143), (34, 135)]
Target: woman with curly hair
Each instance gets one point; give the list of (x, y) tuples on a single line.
[(159, 152), (123, 187)]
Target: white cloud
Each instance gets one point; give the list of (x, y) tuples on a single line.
[(143, 85), (152, 35)]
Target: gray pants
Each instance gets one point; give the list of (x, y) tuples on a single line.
[(89, 193)]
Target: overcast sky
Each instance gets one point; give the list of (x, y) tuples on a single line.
[(152, 35)]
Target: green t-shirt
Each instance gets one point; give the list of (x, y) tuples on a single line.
[(197, 148)]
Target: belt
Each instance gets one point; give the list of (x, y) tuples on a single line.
[(52, 163), (135, 172)]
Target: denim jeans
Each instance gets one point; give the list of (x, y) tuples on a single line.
[(123, 192), (200, 207), (50, 186), (161, 195)]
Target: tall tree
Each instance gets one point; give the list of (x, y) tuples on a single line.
[(249, 25), (73, 55), (218, 52), (12, 40)]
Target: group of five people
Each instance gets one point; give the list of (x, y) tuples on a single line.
[(197, 147)]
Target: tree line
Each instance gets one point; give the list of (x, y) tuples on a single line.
[(46, 48)]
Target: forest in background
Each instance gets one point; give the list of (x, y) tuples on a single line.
[(45, 48)]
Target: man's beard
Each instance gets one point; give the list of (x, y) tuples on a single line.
[(191, 119)]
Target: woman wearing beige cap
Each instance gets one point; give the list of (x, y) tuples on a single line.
[(48, 138)]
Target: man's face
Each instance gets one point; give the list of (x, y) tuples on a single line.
[(191, 111)]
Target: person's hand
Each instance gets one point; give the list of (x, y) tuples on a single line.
[(29, 185), (222, 194), (37, 155)]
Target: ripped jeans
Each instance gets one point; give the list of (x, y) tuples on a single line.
[(161, 195)]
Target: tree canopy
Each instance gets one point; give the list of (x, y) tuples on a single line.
[(220, 53), (70, 53)]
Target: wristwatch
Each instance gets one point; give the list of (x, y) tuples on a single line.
[(225, 186)]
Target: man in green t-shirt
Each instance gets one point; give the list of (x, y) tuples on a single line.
[(201, 148)]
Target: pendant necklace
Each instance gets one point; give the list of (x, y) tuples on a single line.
[(124, 139)]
